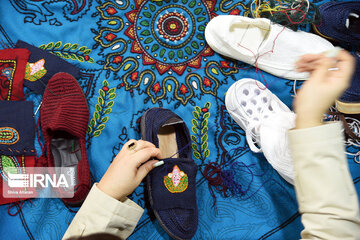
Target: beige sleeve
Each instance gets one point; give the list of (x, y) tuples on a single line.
[(327, 198), (102, 213)]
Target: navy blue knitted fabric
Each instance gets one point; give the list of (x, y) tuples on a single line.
[(17, 128), (156, 118), (334, 16), (181, 221), (53, 64), (172, 186), (162, 198)]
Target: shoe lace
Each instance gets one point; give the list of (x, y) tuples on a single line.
[(270, 134), (254, 124)]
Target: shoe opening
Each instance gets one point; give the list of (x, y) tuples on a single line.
[(66, 151)]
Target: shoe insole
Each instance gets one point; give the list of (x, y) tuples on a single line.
[(66, 153), (167, 141), (249, 37)]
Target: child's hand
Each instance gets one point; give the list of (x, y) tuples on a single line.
[(129, 168), (330, 77)]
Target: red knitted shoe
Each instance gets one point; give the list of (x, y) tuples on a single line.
[(64, 116)]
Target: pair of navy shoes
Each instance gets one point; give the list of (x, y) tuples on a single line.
[(340, 21), (171, 187)]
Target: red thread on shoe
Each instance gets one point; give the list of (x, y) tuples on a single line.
[(257, 59)]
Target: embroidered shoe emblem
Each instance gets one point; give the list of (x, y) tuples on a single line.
[(35, 71), (8, 136), (176, 181)]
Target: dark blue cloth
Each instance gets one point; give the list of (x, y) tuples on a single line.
[(17, 128), (334, 16), (162, 198), (172, 197), (156, 118), (53, 64)]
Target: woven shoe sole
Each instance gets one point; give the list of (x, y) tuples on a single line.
[(348, 108)]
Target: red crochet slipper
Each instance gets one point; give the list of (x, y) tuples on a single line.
[(64, 116)]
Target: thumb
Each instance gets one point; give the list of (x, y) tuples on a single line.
[(322, 69), (145, 169)]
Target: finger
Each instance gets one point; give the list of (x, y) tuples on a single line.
[(346, 62), (319, 74), (145, 154), (143, 144), (308, 58), (135, 146), (344, 56), (145, 169), (308, 66), (125, 148), (130, 142)]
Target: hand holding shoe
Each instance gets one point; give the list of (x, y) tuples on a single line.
[(330, 77), (129, 168)]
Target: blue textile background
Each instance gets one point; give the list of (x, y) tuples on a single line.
[(130, 62)]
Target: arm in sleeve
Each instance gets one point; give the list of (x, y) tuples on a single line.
[(102, 213), (327, 198)]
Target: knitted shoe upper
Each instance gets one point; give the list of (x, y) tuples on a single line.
[(174, 205), (64, 107), (334, 16), (64, 114), (158, 117)]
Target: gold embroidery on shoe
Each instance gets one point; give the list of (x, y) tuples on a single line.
[(35, 71), (177, 181)]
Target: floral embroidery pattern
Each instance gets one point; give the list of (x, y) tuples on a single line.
[(171, 36), (102, 108), (173, 26), (8, 162), (176, 181), (35, 71), (69, 51), (39, 11), (155, 43), (8, 136), (200, 129), (7, 72)]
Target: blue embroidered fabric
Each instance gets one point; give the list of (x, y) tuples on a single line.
[(17, 128), (135, 55)]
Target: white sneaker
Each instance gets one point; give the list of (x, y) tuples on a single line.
[(265, 120), (275, 47)]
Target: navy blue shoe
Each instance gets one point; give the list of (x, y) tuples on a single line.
[(340, 22), (349, 102), (171, 187)]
